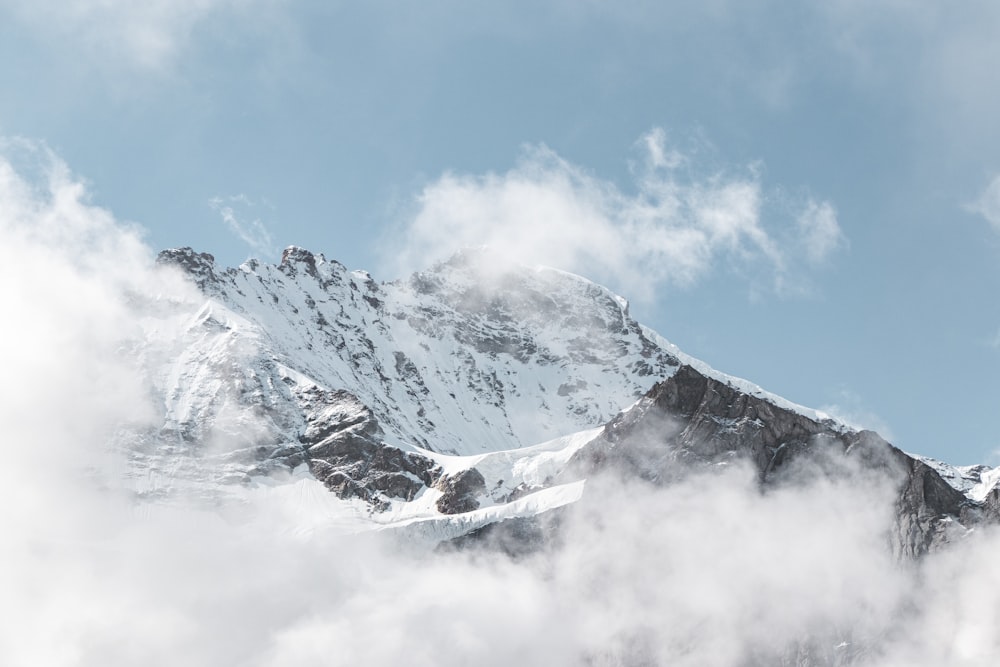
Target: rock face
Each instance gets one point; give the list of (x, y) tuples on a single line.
[(199, 265), (345, 450), (460, 492), (690, 421)]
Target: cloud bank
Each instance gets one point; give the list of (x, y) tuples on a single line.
[(709, 571), (678, 224)]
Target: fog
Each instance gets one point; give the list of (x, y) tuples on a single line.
[(708, 571)]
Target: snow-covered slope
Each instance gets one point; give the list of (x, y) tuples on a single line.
[(370, 385), (453, 360)]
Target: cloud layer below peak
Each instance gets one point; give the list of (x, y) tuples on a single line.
[(709, 571)]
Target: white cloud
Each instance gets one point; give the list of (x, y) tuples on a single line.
[(672, 231), (235, 212), (988, 203), (709, 571), (660, 157), (62, 261), (850, 408), (820, 233)]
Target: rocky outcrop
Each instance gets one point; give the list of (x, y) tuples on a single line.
[(991, 505), (199, 265), (344, 447), (460, 492), (690, 421), (691, 418), (345, 451)]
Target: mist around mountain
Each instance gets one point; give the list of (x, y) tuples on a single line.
[(131, 536)]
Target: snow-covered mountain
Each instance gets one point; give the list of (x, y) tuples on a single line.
[(471, 393), (451, 360)]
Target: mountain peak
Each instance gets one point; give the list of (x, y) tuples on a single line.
[(199, 265), (471, 389), (294, 254)]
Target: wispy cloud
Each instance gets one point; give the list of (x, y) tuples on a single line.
[(935, 60), (236, 214), (658, 154), (148, 35), (674, 228), (819, 231), (849, 407), (988, 203)]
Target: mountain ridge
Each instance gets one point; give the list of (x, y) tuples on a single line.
[(424, 398)]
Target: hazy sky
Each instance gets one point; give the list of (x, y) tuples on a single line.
[(803, 194)]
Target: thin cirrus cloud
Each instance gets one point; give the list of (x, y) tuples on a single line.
[(146, 36), (237, 213), (819, 233), (987, 204), (675, 227)]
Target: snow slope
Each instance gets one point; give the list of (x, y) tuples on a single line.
[(446, 361)]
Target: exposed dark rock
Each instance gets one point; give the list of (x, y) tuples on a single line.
[(344, 450), (199, 265), (460, 491), (288, 455), (690, 421), (991, 505), (293, 257)]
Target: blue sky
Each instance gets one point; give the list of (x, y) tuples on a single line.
[(802, 194)]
